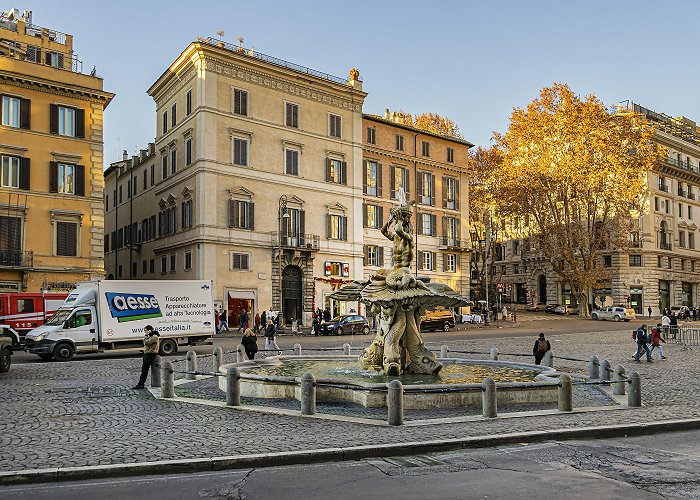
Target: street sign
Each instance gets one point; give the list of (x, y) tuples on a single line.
[(499, 287)]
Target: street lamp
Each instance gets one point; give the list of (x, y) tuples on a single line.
[(282, 215)]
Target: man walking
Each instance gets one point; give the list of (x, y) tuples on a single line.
[(641, 337), (540, 349), (243, 321), (223, 321), (649, 311), (270, 332), (151, 344)]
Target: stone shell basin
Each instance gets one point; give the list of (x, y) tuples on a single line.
[(543, 389)]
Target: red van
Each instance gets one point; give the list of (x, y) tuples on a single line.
[(21, 312)]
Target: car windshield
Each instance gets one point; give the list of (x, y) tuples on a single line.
[(337, 319), (59, 317)]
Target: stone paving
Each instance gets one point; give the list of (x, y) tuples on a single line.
[(84, 413)]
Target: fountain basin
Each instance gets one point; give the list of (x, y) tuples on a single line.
[(458, 384)]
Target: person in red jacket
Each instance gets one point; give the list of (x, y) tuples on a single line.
[(656, 340)]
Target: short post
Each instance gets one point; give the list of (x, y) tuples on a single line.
[(155, 371), (233, 387), (634, 396), (494, 354), (443, 351), (619, 388), (297, 349), (394, 402), (167, 377), (191, 365), (488, 398), (566, 393), (308, 394), (218, 359), (548, 359), (593, 368), (346, 349), (605, 370), (240, 354)]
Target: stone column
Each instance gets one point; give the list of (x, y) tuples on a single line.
[(493, 354), (548, 359), (605, 370), (191, 365), (443, 351), (240, 354), (566, 393), (489, 403), (297, 349), (346, 349), (634, 396), (394, 402), (233, 387), (308, 394), (217, 359), (619, 388), (155, 372), (593, 368), (167, 377)]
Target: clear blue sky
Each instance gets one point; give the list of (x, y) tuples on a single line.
[(472, 61)]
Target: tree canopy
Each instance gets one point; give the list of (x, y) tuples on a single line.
[(432, 122)]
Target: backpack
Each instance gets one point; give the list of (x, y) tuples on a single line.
[(641, 336), (541, 345)]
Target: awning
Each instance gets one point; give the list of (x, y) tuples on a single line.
[(241, 294)]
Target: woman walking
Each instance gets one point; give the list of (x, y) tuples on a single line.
[(656, 340), (270, 333), (250, 343)]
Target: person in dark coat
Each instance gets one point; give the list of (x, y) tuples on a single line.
[(327, 314), (316, 324), (250, 343), (540, 348)]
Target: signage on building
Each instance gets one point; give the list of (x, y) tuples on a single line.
[(499, 287), (327, 268), (346, 269)]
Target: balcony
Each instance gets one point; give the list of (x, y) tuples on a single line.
[(673, 162), (39, 55), (16, 258), (681, 192), (663, 187), (635, 244), (300, 241), (664, 245), (453, 244)]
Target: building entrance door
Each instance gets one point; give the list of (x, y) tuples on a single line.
[(636, 300), (542, 286), (664, 294), (291, 294)]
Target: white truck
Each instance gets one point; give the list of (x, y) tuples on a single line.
[(107, 315)]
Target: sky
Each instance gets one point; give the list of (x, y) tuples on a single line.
[(471, 61)]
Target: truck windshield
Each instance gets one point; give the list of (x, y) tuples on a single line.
[(59, 317)]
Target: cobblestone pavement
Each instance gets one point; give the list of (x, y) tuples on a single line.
[(84, 413)]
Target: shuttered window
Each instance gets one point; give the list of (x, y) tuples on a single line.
[(188, 103), (165, 121), (291, 115), (67, 239), (10, 233), (240, 261), (371, 135), (241, 214), (336, 171), (173, 115), (240, 102), (69, 179), (240, 152), (188, 152), (187, 214), (335, 125), (337, 227), (291, 161), (173, 161), (15, 112)]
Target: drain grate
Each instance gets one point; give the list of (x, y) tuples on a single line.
[(414, 461)]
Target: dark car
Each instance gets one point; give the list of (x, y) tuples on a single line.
[(438, 320), (5, 354), (550, 309), (345, 323)]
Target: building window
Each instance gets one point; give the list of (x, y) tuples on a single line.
[(240, 152), (690, 212), (337, 172), (188, 152), (241, 214), (66, 178), (165, 121), (426, 188), (145, 179), (450, 230), (173, 115), (425, 149), (291, 115), (680, 210), (187, 214), (10, 171), (173, 262), (54, 59), (682, 264), (66, 121), (658, 261), (337, 227), (119, 271), (67, 239), (240, 102), (374, 216), (667, 206), (240, 261), (428, 261), (670, 262), (291, 164), (164, 166), (450, 155), (188, 103), (607, 260), (173, 161), (188, 260), (399, 180), (450, 260), (335, 124), (399, 142), (450, 192), (10, 233), (372, 178), (120, 194), (371, 135), (427, 224), (656, 203), (164, 264), (11, 107), (128, 189), (332, 268), (144, 267), (691, 240), (152, 266), (374, 256), (681, 239), (635, 260), (153, 175)]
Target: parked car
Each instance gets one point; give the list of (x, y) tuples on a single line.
[(615, 313), (550, 308), (537, 306), (439, 319), (345, 323), (5, 354), (681, 312), (566, 310)]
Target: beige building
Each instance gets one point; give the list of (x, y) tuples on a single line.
[(51, 160)]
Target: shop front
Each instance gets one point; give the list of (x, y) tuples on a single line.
[(687, 294), (238, 301), (664, 294), (636, 299)]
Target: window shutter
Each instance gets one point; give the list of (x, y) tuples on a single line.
[(380, 216), (329, 166), (66, 238), (344, 228), (364, 176), (47, 58), (251, 215), (392, 181), (444, 227), (432, 190), (419, 186), (244, 103), (302, 222), (344, 173), (364, 215), (433, 225), (53, 119), (379, 179), (365, 250), (80, 123), (456, 194), (380, 256), (444, 192), (444, 262), (25, 114), (420, 261), (80, 180), (419, 223), (231, 212), (60, 60), (408, 181), (328, 226), (53, 177), (458, 232), (24, 174)]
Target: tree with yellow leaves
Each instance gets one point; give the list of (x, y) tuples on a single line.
[(432, 122), (578, 172)]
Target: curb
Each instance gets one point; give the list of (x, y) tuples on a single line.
[(336, 454)]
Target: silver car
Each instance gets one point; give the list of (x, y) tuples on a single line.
[(614, 313)]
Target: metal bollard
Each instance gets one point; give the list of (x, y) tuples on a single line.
[(619, 388), (489, 403), (494, 354), (346, 349), (443, 351), (240, 354), (394, 402), (297, 349), (191, 365), (308, 394), (593, 368), (605, 370), (634, 396), (155, 371), (218, 359), (548, 359), (566, 393), (167, 377), (233, 387)]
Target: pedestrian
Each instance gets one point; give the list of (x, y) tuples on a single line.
[(151, 344), (270, 333), (263, 319), (504, 312), (665, 325), (242, 321), (540, 349), (327, 314), (316, 324), (656, 340), (257, 323), (250, 343), (649, 311), (640, 335), (674, 325), (216, 320), (223, 321)]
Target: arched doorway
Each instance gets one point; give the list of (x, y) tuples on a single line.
[(292, 297), (542, 288)]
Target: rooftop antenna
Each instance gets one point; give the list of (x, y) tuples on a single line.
[(240, 41)]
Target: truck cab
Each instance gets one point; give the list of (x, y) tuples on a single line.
[(68, 331)]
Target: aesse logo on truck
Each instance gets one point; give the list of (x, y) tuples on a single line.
[(133, 306)]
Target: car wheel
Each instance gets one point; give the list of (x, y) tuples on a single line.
[(5, 360), (168, 347), (63, 352), (339, 331), (594, 316), (365, 330), (446, 327), (616, 318), (46, 357)]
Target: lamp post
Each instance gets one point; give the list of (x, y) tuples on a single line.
[(282, 215)]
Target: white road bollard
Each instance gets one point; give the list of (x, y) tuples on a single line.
[(394, 402), (443, 351), (605, 370), (489, 403), (634, 396), (191, 359), (217, 359), (155, 371), (240, 354), (233, 387), (619, 388), (346, 349), (548, 359), (566, 393), (308, 394), (297, 349), (593, 368), (493, 354), (167, 377)]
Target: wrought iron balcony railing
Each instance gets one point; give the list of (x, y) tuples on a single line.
[(39, 55), (16, 258), (453, 243), (300, 241)]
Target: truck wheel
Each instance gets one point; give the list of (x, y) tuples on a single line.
[(446, 327), (5, 360), (63, 352), (46, 357), (168, 347)]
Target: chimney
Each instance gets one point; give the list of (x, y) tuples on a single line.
[(151, 148), (125, 155)]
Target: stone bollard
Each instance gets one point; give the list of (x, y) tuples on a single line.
[(494, 354), (593, 368), (443, 351), (191, 365), (605, 370), (346, 349), (308, 394), (233, 387), (217, 359), (634, 396), (394, 402), (167, 378), (548, 359), (240, 354), (297, 349), (566, 393), (155, 371), (619, 388), (489, 404)]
